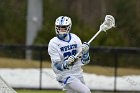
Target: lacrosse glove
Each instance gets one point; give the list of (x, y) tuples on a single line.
[(85, 48), (69, 62)]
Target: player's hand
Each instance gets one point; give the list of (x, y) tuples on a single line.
[(69, 62), (85, 47)]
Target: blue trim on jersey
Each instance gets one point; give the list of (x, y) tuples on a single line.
[(65, 82)]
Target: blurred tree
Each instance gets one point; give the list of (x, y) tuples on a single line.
[(12, 20), (86, 17), (128, 22)]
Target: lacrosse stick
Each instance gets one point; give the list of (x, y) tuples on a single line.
[(108, 23)]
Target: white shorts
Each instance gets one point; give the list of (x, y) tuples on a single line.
[(74, 84)]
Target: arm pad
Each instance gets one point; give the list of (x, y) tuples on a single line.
[(61, 66), (85, 58)]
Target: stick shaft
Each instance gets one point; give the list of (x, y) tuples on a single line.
[(94, 37), (89, 42)]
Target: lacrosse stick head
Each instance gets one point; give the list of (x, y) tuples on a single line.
[(108, 23)]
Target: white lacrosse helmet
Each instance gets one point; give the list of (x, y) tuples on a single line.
[(63, 26)]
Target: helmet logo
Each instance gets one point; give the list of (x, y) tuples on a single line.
[(62, 20)]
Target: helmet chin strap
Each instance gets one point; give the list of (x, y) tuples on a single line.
[(64, 37), (67, 37)]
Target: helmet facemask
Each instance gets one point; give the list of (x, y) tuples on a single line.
[(62, 31)]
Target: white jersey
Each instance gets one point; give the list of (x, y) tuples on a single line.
[(60, 50)]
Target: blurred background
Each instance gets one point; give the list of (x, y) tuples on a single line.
[(26, 26)]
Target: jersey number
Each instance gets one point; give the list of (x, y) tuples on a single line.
[(68, 54)]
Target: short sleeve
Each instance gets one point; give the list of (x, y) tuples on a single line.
[(53, 52)]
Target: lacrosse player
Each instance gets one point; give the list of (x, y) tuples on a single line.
[(62, 50)]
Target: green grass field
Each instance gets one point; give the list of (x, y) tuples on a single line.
[(59, 91), (40, 91)]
